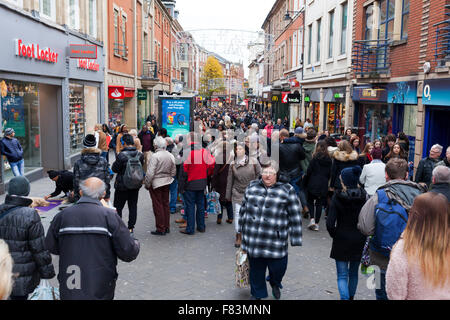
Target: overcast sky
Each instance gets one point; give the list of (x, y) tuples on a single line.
[(246, 15)]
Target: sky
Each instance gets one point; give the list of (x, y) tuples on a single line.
[(204, 15)]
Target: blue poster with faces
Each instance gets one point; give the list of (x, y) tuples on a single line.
[(176, 116), (13, 114)]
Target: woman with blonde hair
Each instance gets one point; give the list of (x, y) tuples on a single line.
[(419, 267), (137, 141), (6, 276)]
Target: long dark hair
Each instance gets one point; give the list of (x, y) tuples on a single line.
[(402, 153), (321, 150), (106, 129)]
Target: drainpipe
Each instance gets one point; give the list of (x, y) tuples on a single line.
[(135, 59)]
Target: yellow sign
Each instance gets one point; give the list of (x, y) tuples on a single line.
[(275, 98)]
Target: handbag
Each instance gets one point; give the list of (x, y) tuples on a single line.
[(365, 259), (242, 270), (45, 292)]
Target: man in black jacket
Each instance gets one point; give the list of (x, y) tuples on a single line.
[(64, 183), (89, 238), (424, 172), (123, 193), (441, 181), (22, 230)]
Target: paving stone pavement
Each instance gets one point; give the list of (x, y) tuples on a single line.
[(182, 267)]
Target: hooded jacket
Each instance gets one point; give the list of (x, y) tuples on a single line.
[(90, 165), (291, 155), (317, 176), (22, 230), (64, 183), (342, 221), (341, 160), (91, 237), (146, 138), (309, 146), (198, 165), (120, 165), (12, 149)]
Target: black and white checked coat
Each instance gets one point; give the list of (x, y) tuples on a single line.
[(266, 218)]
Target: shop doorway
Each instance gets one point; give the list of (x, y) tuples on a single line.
[(437, 129)]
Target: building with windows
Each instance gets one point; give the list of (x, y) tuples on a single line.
[(50, 98)]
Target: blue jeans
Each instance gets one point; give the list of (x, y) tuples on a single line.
[(173, 195), (381, 294), (258, 267), (347, 278), (193, 199), (18, 168), (298, 190)]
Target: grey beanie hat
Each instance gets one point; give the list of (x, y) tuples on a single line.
[(9, 131), (19, 186)]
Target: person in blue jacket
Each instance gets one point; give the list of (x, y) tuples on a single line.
[(11, 148)]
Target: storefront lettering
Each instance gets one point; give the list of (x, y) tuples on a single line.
[(33, 51), (88, 64)]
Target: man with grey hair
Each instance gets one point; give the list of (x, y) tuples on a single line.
[(446, 161), (89, 238), (441, 181), (425, 169)]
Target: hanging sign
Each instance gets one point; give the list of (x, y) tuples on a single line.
[(116, 92)]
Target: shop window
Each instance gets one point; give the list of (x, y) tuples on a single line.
[(20, 111), (410, 120), (77, 117), (336, 116), (116, 109), (375, 121)]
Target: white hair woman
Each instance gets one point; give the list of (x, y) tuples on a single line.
[(6, 276), (137, 141), (160, 173)]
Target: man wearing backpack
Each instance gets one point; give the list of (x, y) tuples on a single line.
[(130, 176), (385, 215)]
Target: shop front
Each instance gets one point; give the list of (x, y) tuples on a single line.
[(436, 100), (312, 107), (373, 115), (334, 99), (121, 109)]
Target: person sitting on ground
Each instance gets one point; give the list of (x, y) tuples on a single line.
[(64, 183)]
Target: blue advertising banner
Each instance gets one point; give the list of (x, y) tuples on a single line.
[(402, 92), (176, 116), (436, 92), (13, 114)]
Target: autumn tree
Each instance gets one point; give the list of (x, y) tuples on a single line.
[(212, 79)]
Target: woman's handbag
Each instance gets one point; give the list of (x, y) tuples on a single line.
[(242, 271)]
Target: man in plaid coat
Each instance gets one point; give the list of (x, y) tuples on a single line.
[(270, 211)]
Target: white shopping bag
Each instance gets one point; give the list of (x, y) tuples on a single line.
[(45, 292)]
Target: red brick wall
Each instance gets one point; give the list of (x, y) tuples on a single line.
[(437, 14)]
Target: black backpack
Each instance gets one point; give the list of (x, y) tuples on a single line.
[(134, 174)]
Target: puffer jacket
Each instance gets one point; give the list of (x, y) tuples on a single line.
[(11, 149), (161, 169), (120, 165), (341, 160), (90, 165), (291, 154), (309, 146), (267, 217), (22, 230), (425, 170)]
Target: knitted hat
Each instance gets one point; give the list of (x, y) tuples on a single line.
[(19, 186), (350, 176), (9, 131), (52, 174), (89, 141), (299, 130), (376, 153)]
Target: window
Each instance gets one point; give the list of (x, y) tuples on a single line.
[(300, 46), (18, 3), (145, 51), (124, 36), (369, 22), (48, 9), (405, 18), (387, 14), (93, 18), (74, 14), (344, 28), (319, 29), (309, 43), (116, 31), (330, 38)]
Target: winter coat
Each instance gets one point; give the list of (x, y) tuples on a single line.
[(373, 176), (269, 130), (12, 149), (100, 137), (146, 140), (309, 146), (219, 180), (342, 221), (425, 170), (291, 154), (90, 165), (91, 237), (64, 183), (317, 176), (239, 178), (120, 165), (161, 169), (332, 150), (363, 160), (267, 217), (444, 162), (442, 188), (195, 174), (22, 230), (278, 127), (341, 160)]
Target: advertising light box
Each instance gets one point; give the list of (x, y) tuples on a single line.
[(176, 114)]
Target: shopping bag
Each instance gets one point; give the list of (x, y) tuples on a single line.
[(45, 292), (365, 259), (242, 271), (213, 203)]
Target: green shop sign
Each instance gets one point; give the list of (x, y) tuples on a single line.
[(307, 99), (142, 94)]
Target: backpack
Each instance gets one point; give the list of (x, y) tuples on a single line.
[(134, 174), (390, 221)]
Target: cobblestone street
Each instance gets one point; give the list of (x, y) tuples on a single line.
[(178, 266)]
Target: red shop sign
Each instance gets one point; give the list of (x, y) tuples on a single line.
[(116, 92), (34, 51), (284, 97), (129, 93)]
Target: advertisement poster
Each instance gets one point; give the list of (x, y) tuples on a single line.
[(176, 116), (13, 114)]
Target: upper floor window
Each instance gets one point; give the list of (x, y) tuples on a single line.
[(116, 31), (93, 18), (387, 15), (330, 37), (319, 29), (369, 22), (124, 36), (48, 9), (18, 3), (344, 28), (309, 43), (74, 14), (405, 18)]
